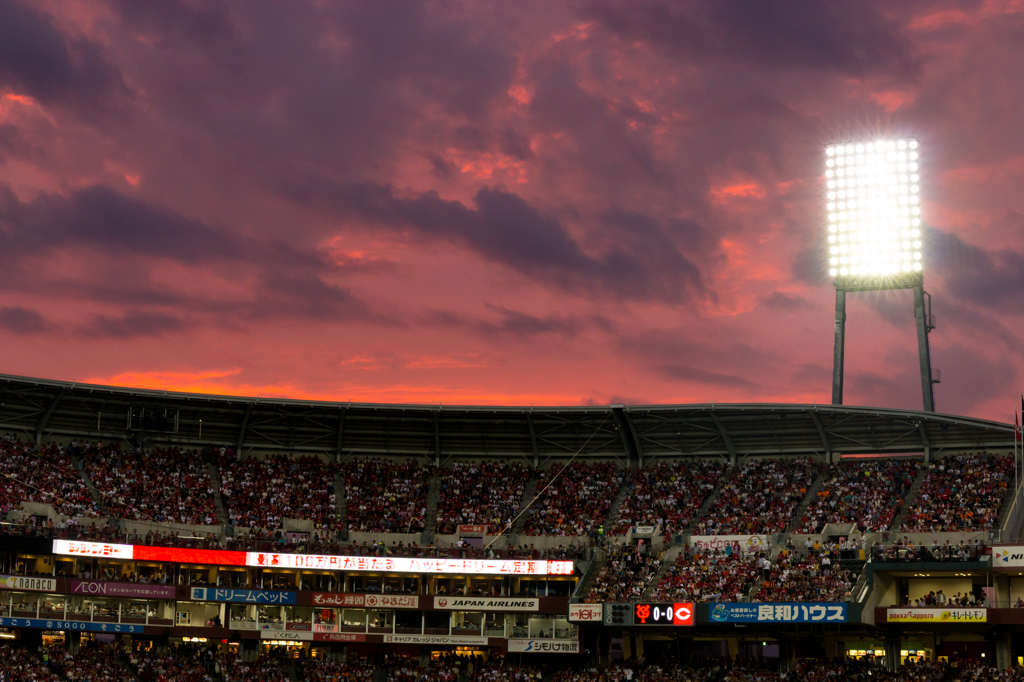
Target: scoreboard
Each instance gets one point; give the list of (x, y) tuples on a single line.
[(663, 614)]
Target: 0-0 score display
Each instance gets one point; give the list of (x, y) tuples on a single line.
[(663, 614)]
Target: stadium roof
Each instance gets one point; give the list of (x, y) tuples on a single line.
[(44, 409)]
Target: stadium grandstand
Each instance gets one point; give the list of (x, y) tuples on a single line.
[(235, 538)]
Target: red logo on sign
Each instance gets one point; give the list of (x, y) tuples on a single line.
[(682, 614), (442, 602)]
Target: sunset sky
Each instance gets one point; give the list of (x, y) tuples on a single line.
[(580, 202)]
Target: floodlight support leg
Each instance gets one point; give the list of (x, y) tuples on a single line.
[(923, 327), (840, 347)]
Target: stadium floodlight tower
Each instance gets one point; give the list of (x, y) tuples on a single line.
[(875, 235)]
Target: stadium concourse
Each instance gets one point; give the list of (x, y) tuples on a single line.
[(157, 536)]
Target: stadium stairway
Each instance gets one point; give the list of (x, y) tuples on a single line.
[(908, 501), (616, 506), (218, 501), (709, 502), (798, 515), (1004, 509), (595, 571), (340, 499), (668, 560), (93, 492), (430, 521), (529, 492)]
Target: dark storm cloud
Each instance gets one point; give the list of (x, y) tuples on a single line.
[(301, 295), (810, 374), (605, 142), (199, 21), (101, 218), (703, 376), (853, 38), (516, 323), (991, 279), (132, 324), (785, 302), (810, 266), (675, 354), (645, 262), (22, 321), (36, 59), (976, 379), (137, 234)]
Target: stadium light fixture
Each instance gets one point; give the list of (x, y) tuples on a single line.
[(874, 208), (874, 237)]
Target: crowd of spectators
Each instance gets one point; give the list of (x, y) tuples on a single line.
[(323, 670), (445, 668), (577, 500), (262, 492), (868, 493), (768, 670), (162, 485), (183, 663), (234, 669), (498, 668), (759, 498), (905, 550), (19, 664), (714, 575), (667, 495), (816, 576), (960, 493), (384, 496), (48, 477), (92, 663), (480, 493), (627, 574)]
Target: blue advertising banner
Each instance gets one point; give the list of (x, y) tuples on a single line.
[(69, 625), (246, 596), (789, 612)]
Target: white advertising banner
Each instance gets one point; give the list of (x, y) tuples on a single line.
[(373, 601), (92, 549), (740, 543), (22, 582), (544, 646), (1008, 557), (586, 613), (486, 604), (434, 639), (293, 635)]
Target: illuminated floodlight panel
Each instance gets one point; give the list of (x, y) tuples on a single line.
[(874, 208)]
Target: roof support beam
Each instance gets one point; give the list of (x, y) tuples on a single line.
[(630, 438), (533, 441), (437, 440), (824, 436), (925, 442), (622, 428), (241, 431), (725, 437), (45, 418), (341, 434)]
